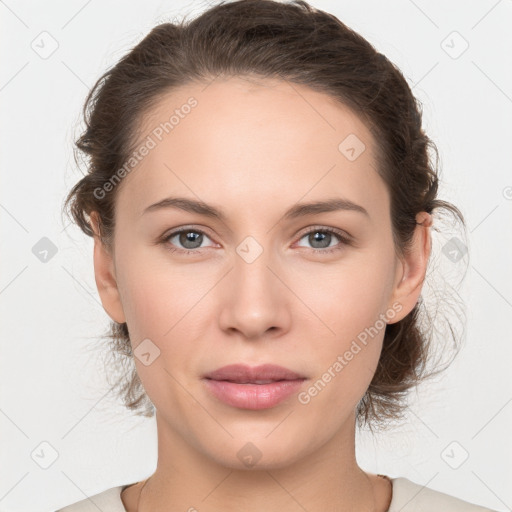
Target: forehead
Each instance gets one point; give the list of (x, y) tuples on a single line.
[(241, 140)]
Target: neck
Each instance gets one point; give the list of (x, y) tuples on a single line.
[(326, 479)]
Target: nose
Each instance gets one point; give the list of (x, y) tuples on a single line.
[(254, 300)]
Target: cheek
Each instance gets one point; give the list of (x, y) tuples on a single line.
[(162, 310), (164, 303), (345, 360), (341, 384), (350, 302), (153, 292), (349, 297)]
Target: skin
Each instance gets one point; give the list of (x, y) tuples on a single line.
[(254, 149)]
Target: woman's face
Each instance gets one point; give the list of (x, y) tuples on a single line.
[(259, 285)]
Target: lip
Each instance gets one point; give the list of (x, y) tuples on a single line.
[(243, 373), (236, 385)]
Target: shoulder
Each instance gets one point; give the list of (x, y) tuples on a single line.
[(106, 501), (409, 496)]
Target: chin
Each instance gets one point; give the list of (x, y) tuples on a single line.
[(260, 453)]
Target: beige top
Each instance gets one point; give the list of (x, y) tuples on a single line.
[(407, 497)]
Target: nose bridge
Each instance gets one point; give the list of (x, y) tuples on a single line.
[(256, 300), (251, 269)]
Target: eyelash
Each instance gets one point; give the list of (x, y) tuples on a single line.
[(344, 239)]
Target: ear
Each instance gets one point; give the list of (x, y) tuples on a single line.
[(411, 270), (104, 273)]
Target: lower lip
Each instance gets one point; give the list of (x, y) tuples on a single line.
[(253, 396)]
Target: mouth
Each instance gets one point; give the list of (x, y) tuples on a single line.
[(259, 387)]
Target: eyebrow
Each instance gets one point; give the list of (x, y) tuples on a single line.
[(296, 211)]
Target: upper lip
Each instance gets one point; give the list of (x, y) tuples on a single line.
[(243, 373)]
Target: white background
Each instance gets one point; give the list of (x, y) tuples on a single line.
[(52, 385)]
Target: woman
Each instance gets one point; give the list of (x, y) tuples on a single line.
[(261, 196)]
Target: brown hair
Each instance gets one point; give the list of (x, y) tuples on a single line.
[(303, 45)]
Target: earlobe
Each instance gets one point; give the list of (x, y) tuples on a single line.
[(412, 268), (104, 273)]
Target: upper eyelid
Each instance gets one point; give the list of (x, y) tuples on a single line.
[(336, 231), (185, 229)]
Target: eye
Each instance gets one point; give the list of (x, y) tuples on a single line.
[(323, 238), (187, 240), (190, 240)]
